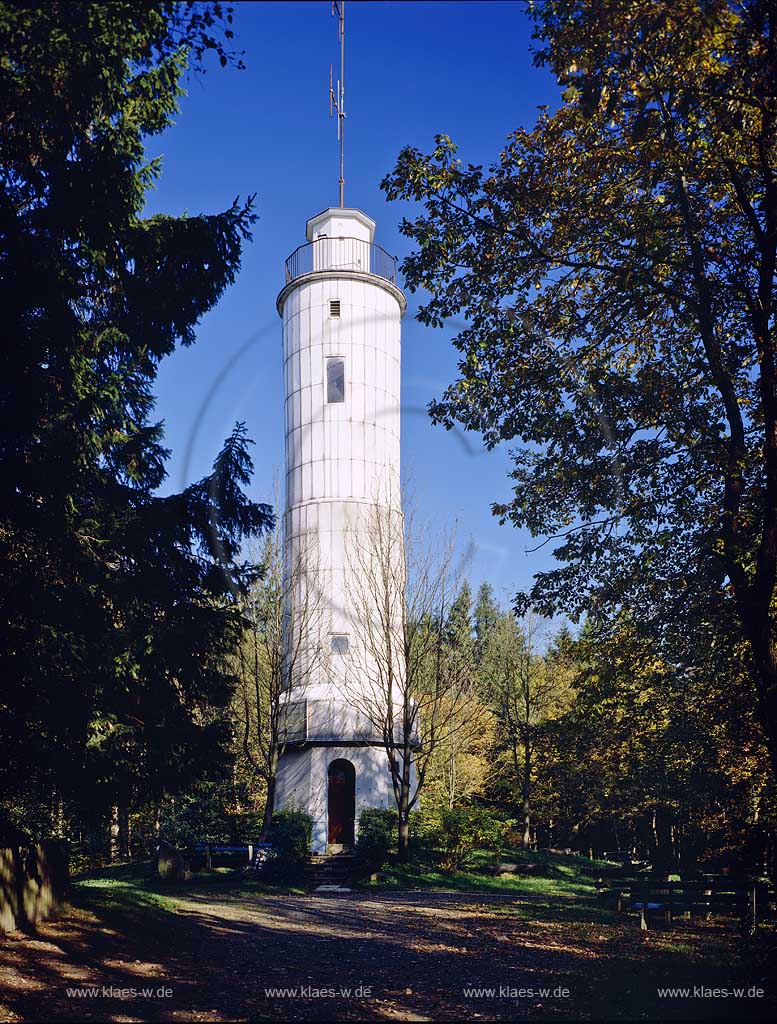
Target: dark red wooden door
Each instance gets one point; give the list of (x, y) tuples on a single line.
[(342, 801)]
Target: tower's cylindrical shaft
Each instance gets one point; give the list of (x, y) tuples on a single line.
[(341, 348)]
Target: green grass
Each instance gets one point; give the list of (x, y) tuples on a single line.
[(134, 890), (552, 874)]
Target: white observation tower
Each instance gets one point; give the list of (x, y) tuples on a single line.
[(341, 312)]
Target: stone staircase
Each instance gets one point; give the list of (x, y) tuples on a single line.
[(331, 869)]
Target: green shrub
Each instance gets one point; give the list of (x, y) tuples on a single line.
[(425, 828), (456, 837), (290, 835), (493, 831), (202, 817), (377, 836), (465, 829)]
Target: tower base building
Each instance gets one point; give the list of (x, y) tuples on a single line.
[(334, 785)]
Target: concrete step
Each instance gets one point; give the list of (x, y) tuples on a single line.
[(333, 869)]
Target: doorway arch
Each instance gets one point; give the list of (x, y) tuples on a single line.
[(341, 802)]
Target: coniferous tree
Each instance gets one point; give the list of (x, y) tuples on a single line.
[(485, 617), (459, 624), (117, 607)]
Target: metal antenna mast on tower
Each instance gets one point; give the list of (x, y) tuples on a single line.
[(337, 101)]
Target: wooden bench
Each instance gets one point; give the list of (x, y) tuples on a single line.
[(219, 849), (618, 856), (747, 900)]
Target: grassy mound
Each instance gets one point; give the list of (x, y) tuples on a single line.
[(525, 872)]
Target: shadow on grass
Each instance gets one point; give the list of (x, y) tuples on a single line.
[(130, 895)]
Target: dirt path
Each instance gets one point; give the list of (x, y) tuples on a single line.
[(389, 957)]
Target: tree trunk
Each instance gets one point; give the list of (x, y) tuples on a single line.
[(235, 795), (758, 629), (269, 804), (756, 602), (273, 756), (661, 834), (403, 835), (113, 835), (58, 814), (526, 798), (403, 845), (124, 831)]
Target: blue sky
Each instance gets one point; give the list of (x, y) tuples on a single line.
[(412, 70)]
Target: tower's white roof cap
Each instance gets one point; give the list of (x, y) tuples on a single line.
[(334, 221)]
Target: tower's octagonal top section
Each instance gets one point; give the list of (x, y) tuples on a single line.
[(341, 222), (340, 244)]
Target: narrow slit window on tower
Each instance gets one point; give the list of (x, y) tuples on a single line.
[(335, 381), (334, 307), (339, 643)]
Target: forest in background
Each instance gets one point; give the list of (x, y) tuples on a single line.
[(582, 741)]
